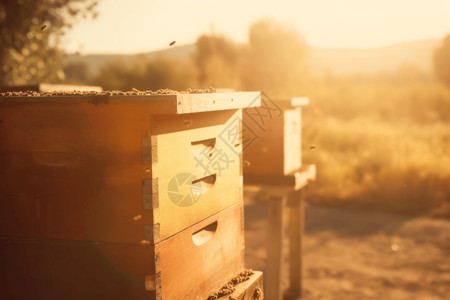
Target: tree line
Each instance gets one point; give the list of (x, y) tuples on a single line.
[(273, 60)]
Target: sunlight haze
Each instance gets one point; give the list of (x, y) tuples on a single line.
[(135, 26)]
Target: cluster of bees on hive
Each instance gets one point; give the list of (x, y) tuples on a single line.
[(133, 92), (229, 287)]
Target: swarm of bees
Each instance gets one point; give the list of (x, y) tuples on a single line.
[(229, 287), (258, 293), (133, 92)]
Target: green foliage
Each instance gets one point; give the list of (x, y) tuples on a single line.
[(441, 60), (30, 34)]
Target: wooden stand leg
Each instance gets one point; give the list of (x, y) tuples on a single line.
[(273, 272), (296, 230)]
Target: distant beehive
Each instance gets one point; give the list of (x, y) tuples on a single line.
[(275, 128), (50, 87)]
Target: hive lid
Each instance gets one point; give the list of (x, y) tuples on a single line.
[(292, 102), (180, 103), (50, 87)]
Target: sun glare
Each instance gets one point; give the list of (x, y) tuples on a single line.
[(139, 26)]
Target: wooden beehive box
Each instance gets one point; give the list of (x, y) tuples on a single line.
[(189, 265), (73, 168), (108, 181), (272, 139)]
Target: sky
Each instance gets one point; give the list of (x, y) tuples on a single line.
[(135, 26)]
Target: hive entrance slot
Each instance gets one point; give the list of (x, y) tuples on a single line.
[(203, 147), (205, 234), (204, 184)]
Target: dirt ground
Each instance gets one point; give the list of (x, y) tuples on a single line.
[(355, 254)]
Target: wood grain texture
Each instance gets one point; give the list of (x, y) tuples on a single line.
[(198, 167), (72, 171), (190, 103), (277, 148), (158, 104), (296, 232), (77, 171), (177, 268), (55, 269), (190, 271), (274, 240)]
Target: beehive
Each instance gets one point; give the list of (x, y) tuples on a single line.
[(189, 265), (274, 137), (100, 185)]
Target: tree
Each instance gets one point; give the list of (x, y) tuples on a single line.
[(275, 60), (30, 34), (217, 60), (441, 61), (142, 74), (77, 72)]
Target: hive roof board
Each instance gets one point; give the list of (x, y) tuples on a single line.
[(292, 102), (181, 103), (51, 87)]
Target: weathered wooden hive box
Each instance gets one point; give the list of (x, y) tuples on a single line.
[(273, 137), (120, 197)]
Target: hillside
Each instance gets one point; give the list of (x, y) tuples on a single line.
[(96, 61), (338, 61), (369, 60)]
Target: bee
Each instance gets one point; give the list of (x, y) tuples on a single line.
[(43, 27), (312, 147), (172, 43)]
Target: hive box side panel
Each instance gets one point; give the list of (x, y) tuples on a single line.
[(198, 167), (292, 140), (265, 154), (195, 263), (277, 149), (73, 170), (191, 103), (54, 270)]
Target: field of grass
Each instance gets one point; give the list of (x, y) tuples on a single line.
[(380, 144)]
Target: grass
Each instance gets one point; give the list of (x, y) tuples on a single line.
[(381, 145)]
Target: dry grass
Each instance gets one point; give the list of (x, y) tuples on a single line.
[(381, 145)]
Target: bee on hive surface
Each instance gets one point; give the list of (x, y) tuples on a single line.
[(44, 27), (172, 43)]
